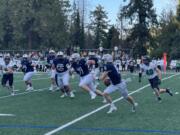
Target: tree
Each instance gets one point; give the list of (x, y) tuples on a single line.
[(6, 26), (142, 16), (77, 28), (113, 37), (99, 25), (35, 23)]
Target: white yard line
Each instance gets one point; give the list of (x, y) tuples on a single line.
[(23, 93), (6, 115), (96, 110), (27, 92), (34, 79)]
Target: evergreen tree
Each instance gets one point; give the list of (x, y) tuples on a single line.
[(141, 15), (99, 25)]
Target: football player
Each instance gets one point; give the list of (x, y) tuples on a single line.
[(1, 62), (117, 63), (61, 65), (116, 84), (131, 65), (94, 67), (154, 77), (28, 70), (7, 71), (50, 59), (80, 66)]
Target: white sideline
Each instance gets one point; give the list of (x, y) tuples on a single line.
[(97, 110)]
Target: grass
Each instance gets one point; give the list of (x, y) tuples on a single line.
[(42, 111)]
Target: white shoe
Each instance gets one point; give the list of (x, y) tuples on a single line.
[(56, 88), (51, 88), (12, 93), (72, 95), (63, 95), (104, 101), (93, 96), (112, 109), (29, 89), (134, 107)]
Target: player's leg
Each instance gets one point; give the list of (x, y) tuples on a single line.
[(93, 88), (59, 83), (53, 81), (11, 80), (84, 82), (124, 91), (27, 79), (107, 96), (4, 80), (65, 80), (97, 74), (155, 85)]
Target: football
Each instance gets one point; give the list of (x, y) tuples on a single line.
[(107, 81)]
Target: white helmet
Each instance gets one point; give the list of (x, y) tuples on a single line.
[(51, 51), (92, 54), (107, 58), (75, 56), (60, 53), (25, 56), (7, 56)]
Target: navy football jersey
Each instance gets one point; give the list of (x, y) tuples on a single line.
[(27, 66), (81, 67), (96, 61), (61, 65), (50, 59), (113, 74)]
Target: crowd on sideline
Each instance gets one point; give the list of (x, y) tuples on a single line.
[(123, 61)]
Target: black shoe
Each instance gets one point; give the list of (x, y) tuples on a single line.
[(159, 99), (169, 92)]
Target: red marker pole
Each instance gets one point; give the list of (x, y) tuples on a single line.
[(165, 61)]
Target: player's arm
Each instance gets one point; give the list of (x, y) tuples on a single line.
[(70, 68), (33, 64), (91, 62), (104, 75), (8, 70), (53, 67)]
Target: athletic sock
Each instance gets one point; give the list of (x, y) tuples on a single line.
[(169, 92), (112, 105)]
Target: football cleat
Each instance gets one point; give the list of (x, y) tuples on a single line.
[(51, 88), (112, 109), (134, 107), (12, 93), (104, 101), (72, 95), (93, 96), (63, 95)]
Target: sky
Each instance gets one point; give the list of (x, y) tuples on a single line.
[(112, 6)]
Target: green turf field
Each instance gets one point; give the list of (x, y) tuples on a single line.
[(42, 111)]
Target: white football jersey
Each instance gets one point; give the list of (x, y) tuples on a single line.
[(4, 66), (117, 62), (149, 70)]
